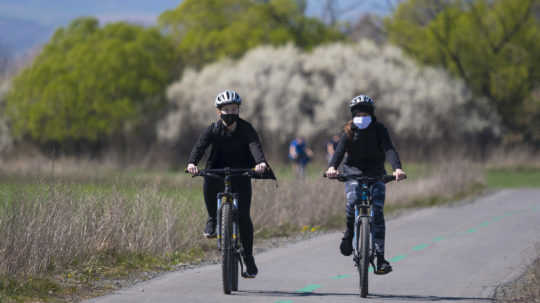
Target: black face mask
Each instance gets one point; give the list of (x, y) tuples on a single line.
[(229, 118)]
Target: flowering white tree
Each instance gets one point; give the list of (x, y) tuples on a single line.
[(287, 92)]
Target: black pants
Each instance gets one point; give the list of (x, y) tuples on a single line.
[(242, 186)]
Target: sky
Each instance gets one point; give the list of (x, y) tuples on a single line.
[(55, 12), (60, 12), (37, 19)]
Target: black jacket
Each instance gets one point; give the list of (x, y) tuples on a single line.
[(367, 150), (238, 149)]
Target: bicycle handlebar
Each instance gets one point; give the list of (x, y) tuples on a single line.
[(359, 177), (223, 172)]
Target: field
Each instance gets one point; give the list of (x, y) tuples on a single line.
[(70, 233)]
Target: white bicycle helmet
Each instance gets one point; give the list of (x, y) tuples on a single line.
[(362, 103), (361, 100), (228, 97)]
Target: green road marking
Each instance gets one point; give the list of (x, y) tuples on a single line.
[(398, 258), (313, 287), (420, 247), (339, 277), (309, 288), (438, 239), (497, 218)]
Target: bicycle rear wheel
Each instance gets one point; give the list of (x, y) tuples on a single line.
[(227, 248), (364, 256)]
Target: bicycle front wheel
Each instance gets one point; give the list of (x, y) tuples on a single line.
[(227, 247), (363, 267), (235, 262)]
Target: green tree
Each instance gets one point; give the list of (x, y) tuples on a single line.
[(207, 30), (91, 82), (493, 45)]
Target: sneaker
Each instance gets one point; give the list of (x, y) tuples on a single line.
[(383, 266), (346, 243), (210, 230), (251, 268)]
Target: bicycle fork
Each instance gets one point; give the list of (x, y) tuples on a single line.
[(359, 213), (221, 200)]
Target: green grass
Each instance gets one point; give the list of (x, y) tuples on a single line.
[(81, 278), (513, 178), (128, 185)]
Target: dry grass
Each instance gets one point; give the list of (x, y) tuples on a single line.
[(514, 157), (321, 202), (48, 224), (525, 289), (445, 182)]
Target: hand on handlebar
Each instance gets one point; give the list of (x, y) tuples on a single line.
[(332, 172), (400, 174), (192, 169), (260, 168)]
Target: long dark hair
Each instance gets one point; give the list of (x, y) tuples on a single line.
[(348, 129)]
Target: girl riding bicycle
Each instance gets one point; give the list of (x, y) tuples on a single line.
[(235, 144), (367, 144)]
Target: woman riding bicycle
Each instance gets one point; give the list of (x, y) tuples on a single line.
[(367, 144), (235, 144)]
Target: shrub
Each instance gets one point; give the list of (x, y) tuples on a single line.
[(494, 46), (288, 92), (91, 82)]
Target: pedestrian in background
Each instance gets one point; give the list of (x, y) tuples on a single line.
[(300, 154)]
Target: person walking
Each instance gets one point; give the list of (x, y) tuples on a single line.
[(300, 154)]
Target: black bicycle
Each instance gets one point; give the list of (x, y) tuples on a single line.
[(364, 252), (228, 236)]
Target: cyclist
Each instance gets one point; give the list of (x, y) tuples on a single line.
[(235, 144), (367, 144)]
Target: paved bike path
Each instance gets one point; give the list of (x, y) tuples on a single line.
[(458, 253)]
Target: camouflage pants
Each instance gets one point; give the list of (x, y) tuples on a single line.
[(378, 191)]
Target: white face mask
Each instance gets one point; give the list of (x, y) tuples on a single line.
[(362, 122)]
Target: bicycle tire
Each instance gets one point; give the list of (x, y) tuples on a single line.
[(227, 247), (235, 264), (364, 260)]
